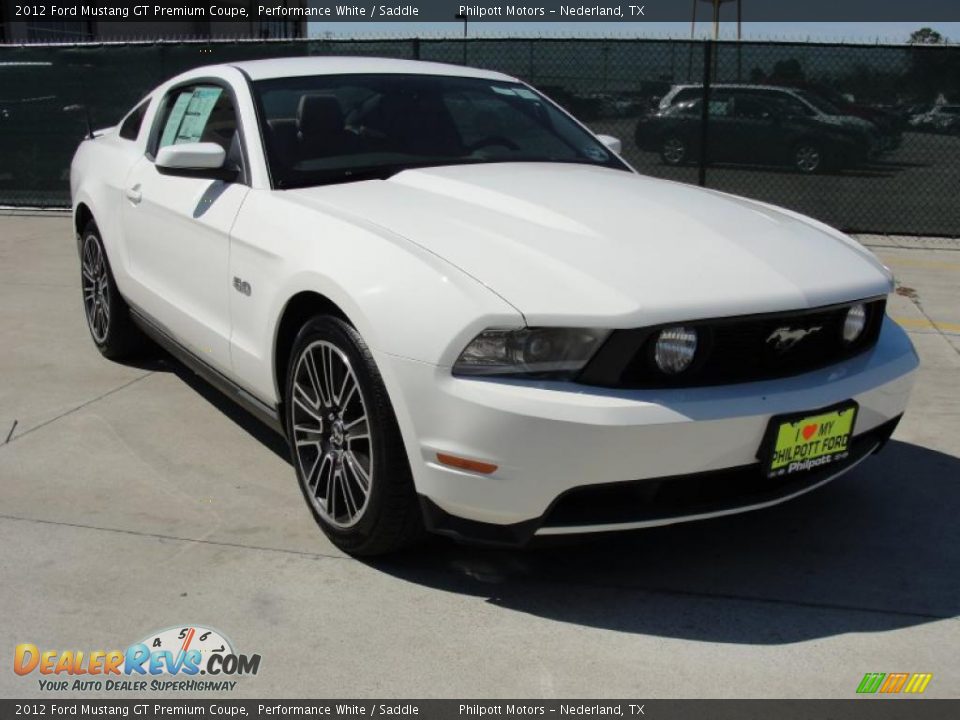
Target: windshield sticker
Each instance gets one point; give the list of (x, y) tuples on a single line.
[(173, 122), (189, 116)]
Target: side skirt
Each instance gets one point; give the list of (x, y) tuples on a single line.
[(269, 416)]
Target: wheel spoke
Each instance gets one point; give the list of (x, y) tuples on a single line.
[(326, 465), (326, 362), (311, 370), (309, 430), (303, 401), (363, 478), (344, 401), (332, 496), (313, 468), (314, 436), (348, 427), (327, 479), (348, 498)]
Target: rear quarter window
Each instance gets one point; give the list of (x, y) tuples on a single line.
[(130, 127)]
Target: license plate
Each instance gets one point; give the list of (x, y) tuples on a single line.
[(803, 442)]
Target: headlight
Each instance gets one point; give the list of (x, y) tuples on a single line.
[(559, 353), (675, 349), (854, 323)]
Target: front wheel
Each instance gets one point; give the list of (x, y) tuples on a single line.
[(345, 442)]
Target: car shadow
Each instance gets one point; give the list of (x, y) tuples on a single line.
[(157, 360), (875, 550)]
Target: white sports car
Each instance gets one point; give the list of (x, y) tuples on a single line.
[(468, 315)]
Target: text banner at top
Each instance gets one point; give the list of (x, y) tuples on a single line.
[(637, 11)]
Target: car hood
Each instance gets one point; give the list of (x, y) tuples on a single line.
[(582, 245)]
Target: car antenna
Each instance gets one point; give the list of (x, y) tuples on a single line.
[(86, 117)]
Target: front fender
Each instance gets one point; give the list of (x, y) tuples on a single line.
[(402, 299)]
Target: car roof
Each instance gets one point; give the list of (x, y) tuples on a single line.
[(742, 86), (343, 65)]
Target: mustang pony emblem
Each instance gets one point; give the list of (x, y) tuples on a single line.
[(785, 338)]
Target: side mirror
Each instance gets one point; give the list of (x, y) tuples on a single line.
[(611, 143), (200, 160)]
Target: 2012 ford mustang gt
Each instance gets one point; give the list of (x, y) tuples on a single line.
[(468, 314)]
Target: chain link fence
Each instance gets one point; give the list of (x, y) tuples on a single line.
[(863, 137)]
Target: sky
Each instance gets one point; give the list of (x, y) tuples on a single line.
[(893, 32)]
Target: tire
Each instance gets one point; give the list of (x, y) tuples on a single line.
[(107, 313), (808, 158), (674, 151), (357, 484)]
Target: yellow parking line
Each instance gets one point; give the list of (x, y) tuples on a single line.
[(914, 262), (914, 323)]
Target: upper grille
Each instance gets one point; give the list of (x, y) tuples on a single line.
[(734, 350)]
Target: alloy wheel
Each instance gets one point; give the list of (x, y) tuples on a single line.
[(807, 158), (96, 291), (331, 434), (674, 151)]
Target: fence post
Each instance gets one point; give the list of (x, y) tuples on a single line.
[(416, 48), (705, 111)]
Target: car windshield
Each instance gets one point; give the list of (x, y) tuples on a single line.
[(339, 128)]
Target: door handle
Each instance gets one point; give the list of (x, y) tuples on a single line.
[(133, 194)]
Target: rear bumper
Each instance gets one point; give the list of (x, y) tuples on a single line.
[(564, 452)]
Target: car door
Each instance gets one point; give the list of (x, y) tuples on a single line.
[(756, 132), (177, 228), (722, 131)]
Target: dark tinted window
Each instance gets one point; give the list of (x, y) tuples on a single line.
[(753, 108), (130, 128)]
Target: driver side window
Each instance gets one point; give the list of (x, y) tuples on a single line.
[(200, 113)]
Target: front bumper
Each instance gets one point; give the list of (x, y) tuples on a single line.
[(572, 458)]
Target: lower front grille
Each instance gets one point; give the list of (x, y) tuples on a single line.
[(635, 501), (736, 350)]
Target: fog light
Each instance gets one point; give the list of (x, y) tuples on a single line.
[(675, 349), (854, 323)]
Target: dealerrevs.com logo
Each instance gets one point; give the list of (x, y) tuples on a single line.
[(169, 660)]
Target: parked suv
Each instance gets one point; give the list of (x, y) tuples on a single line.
[(888, 123), (799, 102), (751, 129)]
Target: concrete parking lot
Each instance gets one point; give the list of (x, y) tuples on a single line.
[(134, 498)]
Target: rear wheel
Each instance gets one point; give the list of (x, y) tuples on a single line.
[(108, 315), (673, 151), (345, 442), (808, 158)]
